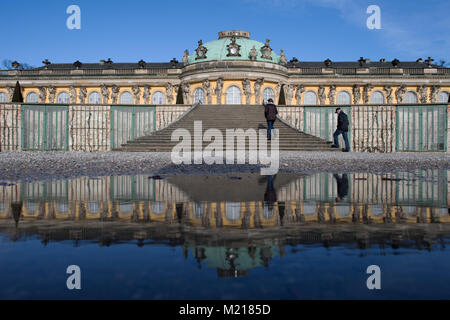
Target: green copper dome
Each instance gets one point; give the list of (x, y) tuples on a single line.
[(217, 50)]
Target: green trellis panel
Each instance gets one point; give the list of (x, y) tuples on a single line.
[(45, 128), (421, 128), (322, 121), (132, 188), (422, 187), (131, 122)]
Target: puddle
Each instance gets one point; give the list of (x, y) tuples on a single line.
[(227, 236)]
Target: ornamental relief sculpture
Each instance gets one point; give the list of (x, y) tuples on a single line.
[(82, 95), (114, 93), (289, 93), (257, 89), (146, 94), (51, 94), (434, 93), (321, 93), (73, 94), (332, 94), (366, 93), (186, 89), (42, 94), (399, 93), (208, 90), (247, 90), (389, 98), (136, 93), (169, 92), (10, 93), (298, 93), (277, 92), (105, 93), (356, 94), (218, 90), (422, 92)]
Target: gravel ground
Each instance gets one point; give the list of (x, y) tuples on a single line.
[(31, 166)]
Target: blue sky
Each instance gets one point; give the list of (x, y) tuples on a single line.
[(157, 31)]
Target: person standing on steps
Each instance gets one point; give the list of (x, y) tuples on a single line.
[(342, 128), (270, 112)]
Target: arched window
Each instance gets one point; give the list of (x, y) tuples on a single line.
[(310, 98), (443, 97), (268, 94), (158, 98), (377, 98), (3, 97), (410, 97), (198, 209), (267, 211), (93, 207), (158, 207), (233, 95), (199, 96), (126, 98), (63, 97), (343, 97), (94, 98), (233, 210), (32, 97), (62, 207)]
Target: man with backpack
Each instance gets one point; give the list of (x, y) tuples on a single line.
[(342, 128)]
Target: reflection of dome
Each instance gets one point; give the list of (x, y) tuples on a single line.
[(234, 262), (217, 50)]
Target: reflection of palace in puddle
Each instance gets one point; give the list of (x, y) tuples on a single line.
[(150, 211), (371, 199)]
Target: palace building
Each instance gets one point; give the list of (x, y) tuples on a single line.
[(392, 105), (232, 70)]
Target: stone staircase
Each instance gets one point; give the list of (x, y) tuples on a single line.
[(224, 117)]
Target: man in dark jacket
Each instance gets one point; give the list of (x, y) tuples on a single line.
[(342, 128), (270, 112)]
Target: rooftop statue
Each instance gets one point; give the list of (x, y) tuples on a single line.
[(253, 54), (283, 59), (186, 56)]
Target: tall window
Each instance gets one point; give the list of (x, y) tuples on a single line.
[(158, 207), (343, 97), (410, 97), (32, 97), (233, 95), (233, 210), (443, 97), (94, 98), (3, 97), (268, 94), (310, 98), (63, 97), (199, 96), (377, 98), (158, 98), (126, 98)]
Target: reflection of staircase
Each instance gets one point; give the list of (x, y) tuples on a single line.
[(224, 117)]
